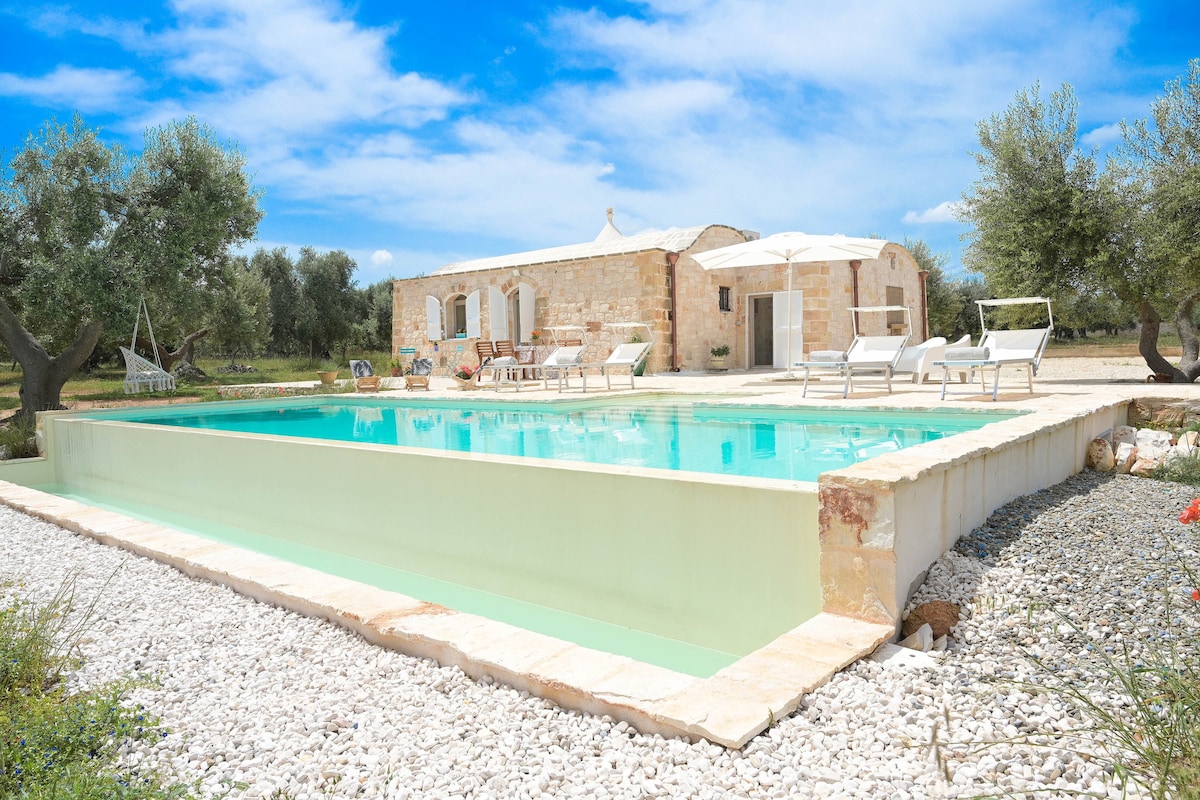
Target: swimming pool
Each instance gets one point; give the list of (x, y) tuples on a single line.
[(746, 440)]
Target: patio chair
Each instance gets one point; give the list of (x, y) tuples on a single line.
[(918, 359), (486, 350), (418, 376), (866, 354), (624, 356), (1022, 347), (365, 379)]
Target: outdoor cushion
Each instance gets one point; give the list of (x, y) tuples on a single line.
[(503, 361), (968, 354), (422, 366), (827, 355)]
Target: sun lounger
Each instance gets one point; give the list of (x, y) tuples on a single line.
[(866, 354), (418, 376), (624, 356), (555, 366), (997, 349)]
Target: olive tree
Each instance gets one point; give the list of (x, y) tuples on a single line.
[(87, 229), (1157, 172)]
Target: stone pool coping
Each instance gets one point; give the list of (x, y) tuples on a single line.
[(865, 575)]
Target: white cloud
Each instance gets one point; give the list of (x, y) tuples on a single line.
[(290, 71), (381, 258), (74, 88), (942, 212), (1103, 136)]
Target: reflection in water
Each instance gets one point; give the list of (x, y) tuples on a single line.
[(752, 441)]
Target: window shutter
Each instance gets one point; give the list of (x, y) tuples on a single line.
[(433, 318), (473, 328), (525, 301), (497, 313)]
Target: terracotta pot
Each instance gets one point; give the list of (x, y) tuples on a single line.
[(327, 376)]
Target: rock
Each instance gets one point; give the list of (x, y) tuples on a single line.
[(940, 615), (1144, 467), (922, 639), (1100, 456), (893, 655), (190, 372), (1125, 457), (1152, 444), (1124, 434), (1190, 438)]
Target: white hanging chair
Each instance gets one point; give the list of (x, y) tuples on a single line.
[(142, 374)]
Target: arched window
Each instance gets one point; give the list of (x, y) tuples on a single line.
[(456, 315)]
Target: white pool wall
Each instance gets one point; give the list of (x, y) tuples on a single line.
[(725, 563)]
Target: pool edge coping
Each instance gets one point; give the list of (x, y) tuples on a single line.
[(729, 708)]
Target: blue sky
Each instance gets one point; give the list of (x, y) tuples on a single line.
[(415, 134)]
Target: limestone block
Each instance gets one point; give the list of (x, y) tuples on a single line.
[(1125, 457), (1100, 456), (1152, 443), (922, 639), (1124, 434), (1144, 467)]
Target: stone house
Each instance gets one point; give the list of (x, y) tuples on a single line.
[(651, 278)]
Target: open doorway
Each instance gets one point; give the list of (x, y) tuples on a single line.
[(762, 331)]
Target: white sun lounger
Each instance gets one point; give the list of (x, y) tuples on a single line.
[(1022, 347), (866, 354), (624, 356)]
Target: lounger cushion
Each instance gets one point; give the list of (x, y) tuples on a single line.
[(967, 354), (827, 355)]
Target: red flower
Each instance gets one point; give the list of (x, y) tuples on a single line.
[(1196, 595), (1191, 513)]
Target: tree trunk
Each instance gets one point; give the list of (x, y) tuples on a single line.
[(1189, 362), (43, 376), (186, 352)]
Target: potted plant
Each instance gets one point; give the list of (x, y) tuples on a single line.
[(718, 354), (397, 367), (327, 373), (640, 369), (466, 377)]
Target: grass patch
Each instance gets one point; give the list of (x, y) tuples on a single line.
[(106, 384), (56, 743)]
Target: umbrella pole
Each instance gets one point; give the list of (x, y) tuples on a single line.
[(789, 321)]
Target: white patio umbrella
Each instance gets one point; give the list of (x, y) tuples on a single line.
[(790, 248)]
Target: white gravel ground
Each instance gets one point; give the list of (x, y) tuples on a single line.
[(264, 703)]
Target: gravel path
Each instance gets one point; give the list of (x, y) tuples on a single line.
[(265, 703)]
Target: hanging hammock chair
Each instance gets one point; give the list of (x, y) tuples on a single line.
[(142, 374)]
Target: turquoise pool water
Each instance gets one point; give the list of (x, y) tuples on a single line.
[(749, 441)]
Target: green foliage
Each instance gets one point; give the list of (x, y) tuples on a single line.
[(55, 743), (1185, 469), (16, 438), (1037, 211), (720, 352), (240, 316)]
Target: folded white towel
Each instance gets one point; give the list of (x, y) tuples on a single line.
[(567, 358), (827, 355), (503, 361), (967, 354)]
